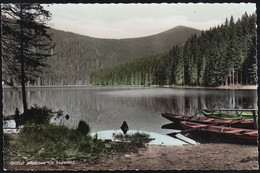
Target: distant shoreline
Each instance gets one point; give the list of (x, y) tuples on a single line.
[(238, 87), (235, 87)]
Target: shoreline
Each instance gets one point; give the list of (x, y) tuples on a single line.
[(224, 87), (240, 87), (211, 156)]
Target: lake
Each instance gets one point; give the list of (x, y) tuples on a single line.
[(105, 108)]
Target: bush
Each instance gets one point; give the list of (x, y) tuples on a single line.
[(140, 139), (137, 139), (37, 115), (83, 127)]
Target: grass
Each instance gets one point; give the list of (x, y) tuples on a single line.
[(45, 142), (138, 139), (39, 140)]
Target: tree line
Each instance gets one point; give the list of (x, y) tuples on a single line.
[(222, 55), (76, 56)]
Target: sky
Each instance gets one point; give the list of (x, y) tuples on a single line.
[(119, 21)]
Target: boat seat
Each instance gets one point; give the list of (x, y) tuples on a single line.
[(251, 133), (209, 120), (235, 131), (198, 126), (228, 121)]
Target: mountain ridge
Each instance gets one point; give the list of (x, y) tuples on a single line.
[(159, 33), (76, 56)]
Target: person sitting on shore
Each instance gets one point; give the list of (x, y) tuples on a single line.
[(17, 118)]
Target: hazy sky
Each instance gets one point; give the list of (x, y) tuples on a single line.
[(136, 20)]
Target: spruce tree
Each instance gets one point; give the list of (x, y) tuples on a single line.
[(26, 42)]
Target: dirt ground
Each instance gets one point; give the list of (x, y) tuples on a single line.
[(154, 157)]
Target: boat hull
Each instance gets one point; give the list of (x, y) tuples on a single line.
[(207, 133), (219, 122)]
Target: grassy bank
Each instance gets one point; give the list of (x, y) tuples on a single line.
[(50, 142), (42, 141)]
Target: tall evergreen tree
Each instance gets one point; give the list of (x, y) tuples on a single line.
[(26, 42)]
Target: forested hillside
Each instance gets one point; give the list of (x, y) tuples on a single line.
[(76, 56), (222, 55)]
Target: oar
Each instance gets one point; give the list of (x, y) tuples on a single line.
[(188, 130), (174, 136), (254, 116), (183, 131), (195, 114)]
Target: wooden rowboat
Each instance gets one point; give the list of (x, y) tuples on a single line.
[(220, 133), (233, 114), (218, 122)]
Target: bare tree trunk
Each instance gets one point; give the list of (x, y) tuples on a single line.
[(233, 73), (226, 80), (229, 76), (22, 62), (1, 74), (237, 77), (241, 78)]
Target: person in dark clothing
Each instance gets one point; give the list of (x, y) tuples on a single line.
[(17, 118), (67, 117), (124, 127)]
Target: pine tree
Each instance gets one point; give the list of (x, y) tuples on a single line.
[(26, 42)]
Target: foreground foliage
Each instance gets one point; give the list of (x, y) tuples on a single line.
[(49, 142), (138, 139), (37, 115), (40, 140)]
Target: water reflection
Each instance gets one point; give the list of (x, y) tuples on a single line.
[(106, 108)]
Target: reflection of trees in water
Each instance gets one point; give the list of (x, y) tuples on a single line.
[(107, 112), (231, 100), (11, 100)]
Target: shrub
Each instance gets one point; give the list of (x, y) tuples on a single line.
[(140, 139), (83, 127), (37, 115), (137, 139)]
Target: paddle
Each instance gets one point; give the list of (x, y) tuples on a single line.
[(184, 131), (174, 136), (188, 130), (254, 116), (195, 114)]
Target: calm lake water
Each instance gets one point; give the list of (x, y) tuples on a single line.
[(105, 108)]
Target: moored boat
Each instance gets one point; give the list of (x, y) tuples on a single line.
[(247, 114), (220, 133), (218, 122)]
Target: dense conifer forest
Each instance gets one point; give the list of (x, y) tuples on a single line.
[(76, 56), (222, 55)]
